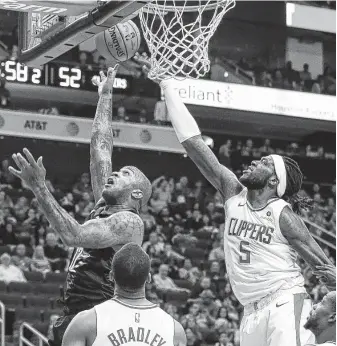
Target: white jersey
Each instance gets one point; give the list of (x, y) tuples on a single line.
[(259, 259), (329, 343), (119, 323)]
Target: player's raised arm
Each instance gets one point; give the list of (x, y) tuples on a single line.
[(118, 229), (81, 330), (299, 237), (101, 144), (189, 136)]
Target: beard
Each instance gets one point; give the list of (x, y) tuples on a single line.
[(116, 195), (311, 323), (253, 182)]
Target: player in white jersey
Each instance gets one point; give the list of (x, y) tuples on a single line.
[(263, 235), (322, 321), (127, 318)]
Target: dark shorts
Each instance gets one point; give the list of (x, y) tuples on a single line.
[(59, 329)]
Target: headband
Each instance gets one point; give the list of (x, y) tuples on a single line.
[(281, 173)]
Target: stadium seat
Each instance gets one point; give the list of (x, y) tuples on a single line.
[(202, 235), (41, 301), (3, 287), (51, 290), (195, 253), (29, 314), (203, 244), (56, 277), (183, 284), (11, 300), (42, 327), (23, 287), (4, 249), (34, 276), (176, 298)]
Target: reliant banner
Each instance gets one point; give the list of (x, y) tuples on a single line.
[(257, 99)]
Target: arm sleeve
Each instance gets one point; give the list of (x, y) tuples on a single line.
[(183, 122)]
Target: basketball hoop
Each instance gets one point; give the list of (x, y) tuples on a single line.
[(178, 40)]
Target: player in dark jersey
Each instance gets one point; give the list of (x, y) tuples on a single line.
[(113, 222)]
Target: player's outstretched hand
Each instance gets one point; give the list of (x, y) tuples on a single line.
[(144, 60), (326, 275), (105, 83), (31, 172)]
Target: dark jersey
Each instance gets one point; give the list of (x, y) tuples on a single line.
[(87, 282)]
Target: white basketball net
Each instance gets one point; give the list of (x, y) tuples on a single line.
[(179, 46)]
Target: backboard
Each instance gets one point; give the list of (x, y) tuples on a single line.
[(48, 29)]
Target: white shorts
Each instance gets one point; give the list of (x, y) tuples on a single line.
[(279, 323)]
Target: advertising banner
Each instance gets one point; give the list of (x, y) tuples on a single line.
[(78, 130)]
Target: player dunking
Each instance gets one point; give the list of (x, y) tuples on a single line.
[(113, 222), (262, 234), (128, 317)]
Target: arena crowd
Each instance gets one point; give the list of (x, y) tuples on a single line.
[(183, 236)]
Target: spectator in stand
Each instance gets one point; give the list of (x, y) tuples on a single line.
[(291, 77), (225, 154), (223, 340), (278, 80), (148, 219), (7, 177), (160, 113), (56, 255), (10, 272), (8, 235), (21, 208), (84, 63), (102, 63), (84, 206), (161, 187), (266, 149), (20, 259), (121, 115), (5, 201), (258, 68), (31, 221), (40, 262), (247, 150), (191, 338), (164, 283), (5, 96), (154, 247), (217, 253), (82, 186), (305, 75)]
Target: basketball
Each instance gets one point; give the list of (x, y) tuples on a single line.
[(120, 42)]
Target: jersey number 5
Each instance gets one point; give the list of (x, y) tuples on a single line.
[(245, 257)]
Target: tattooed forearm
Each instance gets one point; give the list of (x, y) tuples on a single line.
[(218, 175), (101, 145), (116, 230), (58, 218)]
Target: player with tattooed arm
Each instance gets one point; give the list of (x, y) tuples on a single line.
[(262, 235), (113, 222)]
